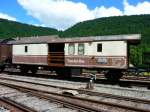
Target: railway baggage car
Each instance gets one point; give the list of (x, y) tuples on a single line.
[(65, 54)]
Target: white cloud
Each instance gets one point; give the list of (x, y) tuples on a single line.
[(62, 14), (106, 12), (5, 16), (140, 8), (59, 14)]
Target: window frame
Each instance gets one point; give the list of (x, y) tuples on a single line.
[(99, 47), (25, 49), (69, 49), (83, 49)]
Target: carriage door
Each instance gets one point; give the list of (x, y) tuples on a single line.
[(56, 54)]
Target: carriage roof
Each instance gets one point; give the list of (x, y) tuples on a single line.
[(132, 38)]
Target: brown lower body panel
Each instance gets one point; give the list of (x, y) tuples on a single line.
[(119, 62), (30, 59)]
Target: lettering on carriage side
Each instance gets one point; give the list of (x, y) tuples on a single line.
[(118, 62), (81, 61), (102, 61)]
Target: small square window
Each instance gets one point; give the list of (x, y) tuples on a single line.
[(99, 47), (26, 49)]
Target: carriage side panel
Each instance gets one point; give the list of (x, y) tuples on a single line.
[(101, 54), (35, 54)]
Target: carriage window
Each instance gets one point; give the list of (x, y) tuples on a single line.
[(71, 49), (81, 49), (99, 47), (26, 49)]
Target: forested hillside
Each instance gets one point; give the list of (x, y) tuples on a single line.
[(102, 26), (10, 29), (114, 26)]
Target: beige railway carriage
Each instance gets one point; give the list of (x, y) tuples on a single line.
[(64, 54)]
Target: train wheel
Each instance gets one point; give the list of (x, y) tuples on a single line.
[(33, 70), (113, 76), (64, 72), (24, 69), (2, 68)]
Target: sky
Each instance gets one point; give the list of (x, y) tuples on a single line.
[(62, 14)]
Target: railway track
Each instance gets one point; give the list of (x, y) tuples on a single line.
[(101, 104), (67, 101), (57, 104), (124, 82), (127, 81), (13, 106)]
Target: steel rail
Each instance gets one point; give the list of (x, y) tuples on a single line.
[(139, 83), (13, 106), (41, 93), (88, 92)]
